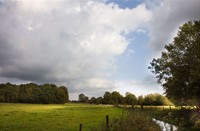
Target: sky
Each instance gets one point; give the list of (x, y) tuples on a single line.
[(89, 46)]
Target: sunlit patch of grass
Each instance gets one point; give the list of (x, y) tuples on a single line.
[(28, 107)]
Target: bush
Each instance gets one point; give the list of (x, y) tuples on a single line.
[(131, 121), (195, 118)]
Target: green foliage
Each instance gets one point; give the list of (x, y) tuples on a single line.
[(156, 99), (62, 95), (115, 98), (107, 98), (131, 121), (195, 118), (99, 100), (83, 98), (92, 100), (178, 68), (33, 93), (184, 119), (130, 99), (140, 100)]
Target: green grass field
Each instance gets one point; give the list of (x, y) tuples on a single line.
[(67, 117)]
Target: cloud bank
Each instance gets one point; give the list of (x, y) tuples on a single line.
[(76, 42), (64, 41)]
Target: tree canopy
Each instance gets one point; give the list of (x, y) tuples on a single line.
[(33, 93), (82, 98), (178, 68), (130, 99), (116, 98)]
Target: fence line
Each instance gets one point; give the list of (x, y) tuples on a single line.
[(107, 124), (80, 127)]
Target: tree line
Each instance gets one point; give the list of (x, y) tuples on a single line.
[(116, 98), (33, 93), (178, 68)]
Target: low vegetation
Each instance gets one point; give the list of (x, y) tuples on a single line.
[(137, 119), (31, 117), (184, 119), (131, 121), (54, 117)]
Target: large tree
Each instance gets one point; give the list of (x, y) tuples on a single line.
[(178, 68)]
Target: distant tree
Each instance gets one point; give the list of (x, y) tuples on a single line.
[(92, 100), (99, 100), (33, 93), (107, 98), (112, 98), (130, 99), (162, 100), (117, 98), (83, 98), (2, 97), (66, 96), (178, 68), (62, 95), (156, 99), (141, 100), (9, 93), (149, 99), (48, 94), (23, 94)]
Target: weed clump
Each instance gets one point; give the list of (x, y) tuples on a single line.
[(131, 121)]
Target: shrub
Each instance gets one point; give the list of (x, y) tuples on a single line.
[(195, 118), (131, 121)]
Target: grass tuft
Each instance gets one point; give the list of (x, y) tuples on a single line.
[(131, 121)]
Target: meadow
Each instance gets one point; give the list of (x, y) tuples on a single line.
[(53, 117), (68, 117)]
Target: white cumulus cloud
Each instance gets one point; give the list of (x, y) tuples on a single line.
[(64, 40)]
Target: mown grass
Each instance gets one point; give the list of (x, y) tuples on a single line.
[(67, 117)]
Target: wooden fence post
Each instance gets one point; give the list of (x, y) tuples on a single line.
[(80, 127), (107, 122), (141, 106)]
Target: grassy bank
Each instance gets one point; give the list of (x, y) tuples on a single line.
[(131, 121), (186, 119), (32, 117), (67, 117)]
